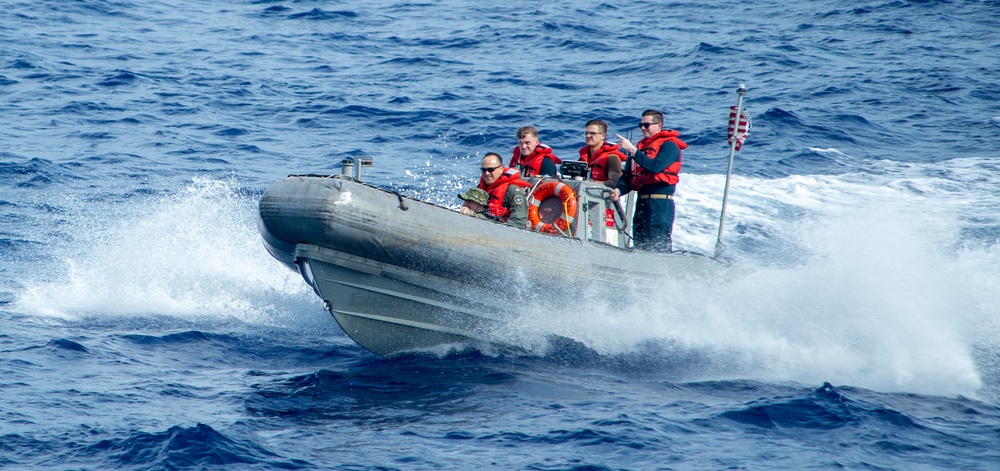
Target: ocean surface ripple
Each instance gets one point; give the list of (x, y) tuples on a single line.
[(143, 325)]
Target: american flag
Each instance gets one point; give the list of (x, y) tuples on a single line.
[(744, 128)]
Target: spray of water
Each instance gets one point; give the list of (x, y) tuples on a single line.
[(851, 279), (192, 254)]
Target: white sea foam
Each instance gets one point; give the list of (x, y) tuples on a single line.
[(196, 253), (869, 281)]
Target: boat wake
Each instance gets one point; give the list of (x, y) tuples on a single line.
[(834, 279), (889, 294)]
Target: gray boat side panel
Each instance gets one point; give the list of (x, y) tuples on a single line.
[(386, 338), (354, 262), (404, 322), (386, 315), (361, 220), (369, 223), (457, 291), (400, 274), (351, 290)]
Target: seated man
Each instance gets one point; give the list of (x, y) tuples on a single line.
[(476, 200), (505, 188), (532, 157)]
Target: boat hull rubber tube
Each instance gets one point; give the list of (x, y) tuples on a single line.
[(400, 274)]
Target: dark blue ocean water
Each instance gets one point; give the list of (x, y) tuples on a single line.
[(143, 326)]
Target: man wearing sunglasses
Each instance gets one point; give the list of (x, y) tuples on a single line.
[(507, 202), (656, 163), (531, 156)]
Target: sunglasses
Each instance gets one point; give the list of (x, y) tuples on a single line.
[(591, 133), (646, 125), (488, 170)]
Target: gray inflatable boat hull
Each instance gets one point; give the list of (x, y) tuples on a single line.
[(400, 275)]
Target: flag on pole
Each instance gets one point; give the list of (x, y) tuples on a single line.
[(741, 133)]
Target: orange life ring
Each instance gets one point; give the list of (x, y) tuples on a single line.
[(569, 202)]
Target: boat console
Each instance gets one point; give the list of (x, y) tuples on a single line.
[(571, 206)]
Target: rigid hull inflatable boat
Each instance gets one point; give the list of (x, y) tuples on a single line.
[(399, 274)]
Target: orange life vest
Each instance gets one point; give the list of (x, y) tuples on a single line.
[(531, 165), (498, 190), (651, 145), (599, 163)]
